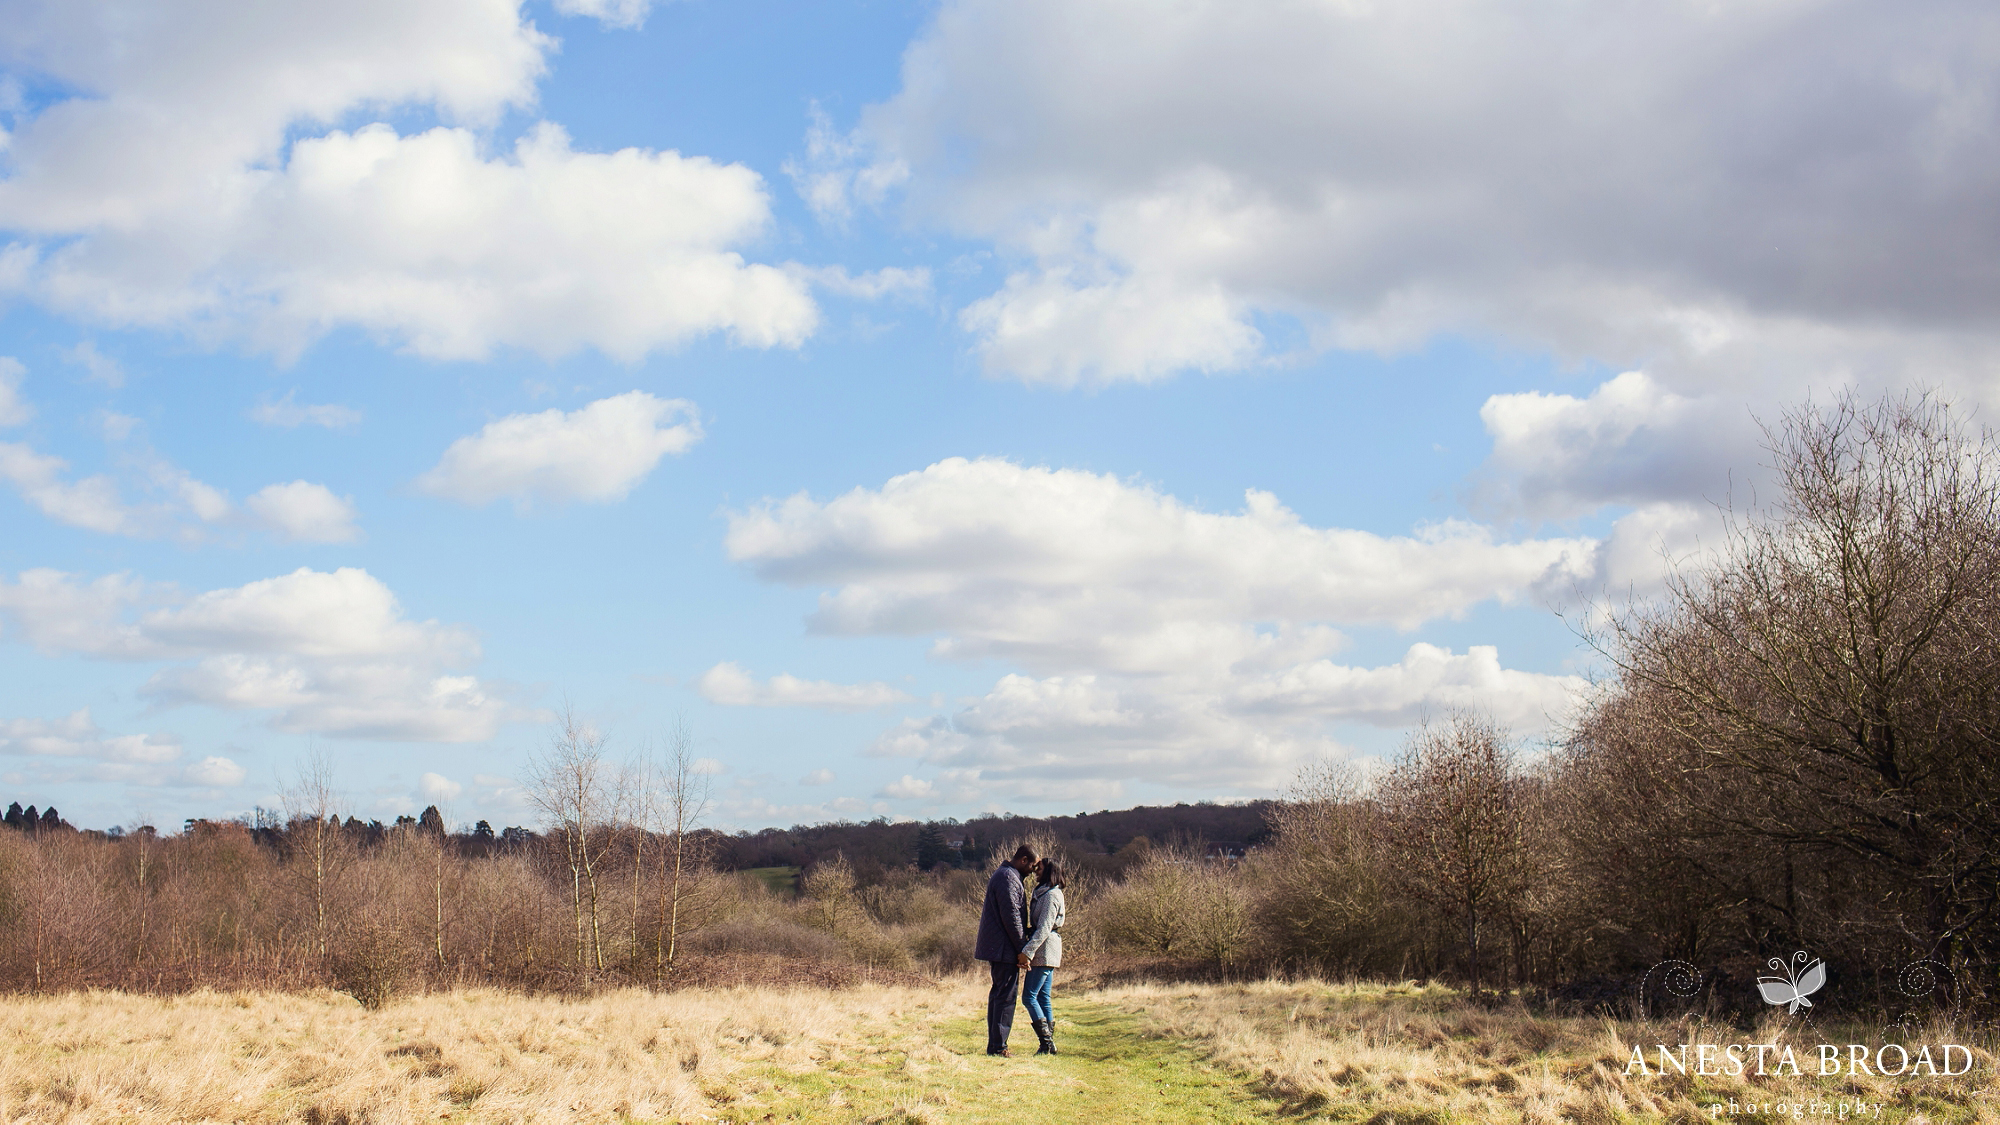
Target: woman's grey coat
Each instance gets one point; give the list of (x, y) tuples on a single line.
[(1047, 911)]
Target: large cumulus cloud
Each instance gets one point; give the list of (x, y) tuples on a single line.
[(1785, 190), (223, 168)]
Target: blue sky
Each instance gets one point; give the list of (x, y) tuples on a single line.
[(937, 407)]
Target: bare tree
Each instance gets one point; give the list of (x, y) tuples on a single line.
[(681, 801), (1829, 682), (1454, 820), (312, 833), (1330, 897), (436, 839), (143, 837), (575, 790)]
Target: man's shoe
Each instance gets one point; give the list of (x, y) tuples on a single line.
[(1002, 1053)]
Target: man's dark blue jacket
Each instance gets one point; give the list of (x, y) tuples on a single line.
[(1003, 921)]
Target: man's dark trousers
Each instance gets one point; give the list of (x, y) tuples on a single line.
[(1000, 1004)]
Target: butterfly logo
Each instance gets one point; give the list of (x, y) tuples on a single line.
[(1800, 981)]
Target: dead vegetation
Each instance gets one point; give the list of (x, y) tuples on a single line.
[(483, 1055), (1411, 1053), (1381, 1054)]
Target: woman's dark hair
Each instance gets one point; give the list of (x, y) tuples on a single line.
[(1049, 874)]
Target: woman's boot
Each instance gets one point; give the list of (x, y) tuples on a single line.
[(1045, 1030)]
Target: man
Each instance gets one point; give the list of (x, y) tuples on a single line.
[(1003, 930)]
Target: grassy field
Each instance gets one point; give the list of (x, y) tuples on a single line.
[(1253, 1052)]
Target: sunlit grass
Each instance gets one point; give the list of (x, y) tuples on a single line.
[(1380, 1054), (1405, 1053)]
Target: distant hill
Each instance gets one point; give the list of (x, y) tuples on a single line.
[(1091, 839)]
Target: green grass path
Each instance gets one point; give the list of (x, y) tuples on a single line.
[(1109, 1072)]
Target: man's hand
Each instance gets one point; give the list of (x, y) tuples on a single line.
[(1021, 959)]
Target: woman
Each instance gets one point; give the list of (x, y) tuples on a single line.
[(1043, 951)]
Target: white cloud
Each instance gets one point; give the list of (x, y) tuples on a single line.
[(57, 614), (597, 454), (818, 777), (213, 772), (175, 191), (347, 612), (612, 13), (97, 367), (1429, 678), (289, 415), (13, 411), (78, 736), (326, 652), (75, 748), (907, 788), (1060, 568), (1048, 327), (304, 513), (1091, 735), (1761, 193), (1171, 646), (299, 511), (204, 501), (92, 503), (437, 787), (119, 427), (1630, 442), (730, 685), (873, 285), (836, 174)]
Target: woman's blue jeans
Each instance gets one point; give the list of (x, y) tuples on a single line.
[(1036, 995)]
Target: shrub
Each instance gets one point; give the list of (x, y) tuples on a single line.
[(372, 964)]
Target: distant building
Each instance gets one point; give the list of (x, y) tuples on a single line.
[(1225, 852)]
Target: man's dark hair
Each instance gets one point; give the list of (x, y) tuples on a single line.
[(1049, 874), (1024, 852)]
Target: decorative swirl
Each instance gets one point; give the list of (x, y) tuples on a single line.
[(1792, 973), (1678, 978), (1922, 979)]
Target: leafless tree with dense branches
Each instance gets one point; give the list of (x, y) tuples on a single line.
[(1829, 683), (1454, 819)]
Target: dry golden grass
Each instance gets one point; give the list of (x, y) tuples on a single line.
[(468, 1056), (1406, 1053), (1382, 1054)]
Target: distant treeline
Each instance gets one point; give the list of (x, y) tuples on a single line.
[(952, 843), (881, 843)]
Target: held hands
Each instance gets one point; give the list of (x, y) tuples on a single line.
[(1021, 959)]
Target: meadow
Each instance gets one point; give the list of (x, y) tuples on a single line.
[(1305, 1051)]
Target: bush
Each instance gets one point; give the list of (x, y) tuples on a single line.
[(1178, 906), (372, 964)]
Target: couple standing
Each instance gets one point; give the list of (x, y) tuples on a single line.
[(1019, 933)]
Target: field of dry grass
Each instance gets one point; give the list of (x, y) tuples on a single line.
[(1134, 1053), (469, 1056), (1406, 1053)]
